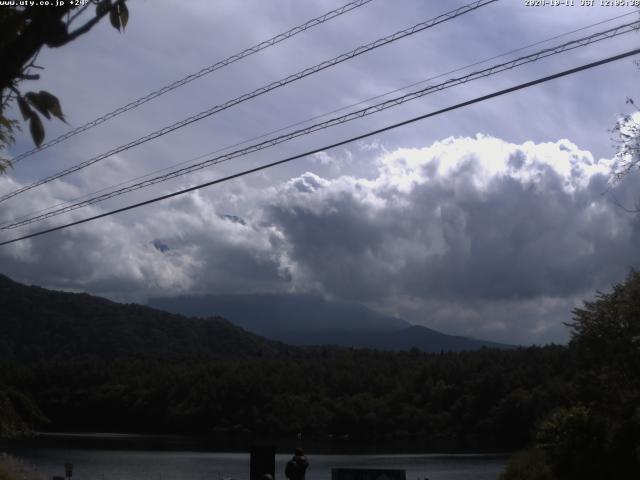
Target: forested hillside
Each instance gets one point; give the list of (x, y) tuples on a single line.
[(488, 399), (18, 413), (575, 407), (41, 324)]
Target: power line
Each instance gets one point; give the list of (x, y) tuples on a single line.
[(334, 145), (194, 76), (599, 36), (339, 120), (316, 117), (260, 91)]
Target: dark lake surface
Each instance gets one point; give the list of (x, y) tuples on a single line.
[(131, 457)]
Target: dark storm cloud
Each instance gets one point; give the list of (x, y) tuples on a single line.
[(466, 222), (169, 251), (524, 230), (470, 235)]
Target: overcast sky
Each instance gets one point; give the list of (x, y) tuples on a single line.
[(491, 221)]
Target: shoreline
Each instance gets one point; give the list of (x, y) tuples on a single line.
[(223, 443)]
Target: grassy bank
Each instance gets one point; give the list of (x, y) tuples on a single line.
[(12, 469), (18, 413)]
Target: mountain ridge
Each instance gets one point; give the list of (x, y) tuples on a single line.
[(38, 323), (278, 317)]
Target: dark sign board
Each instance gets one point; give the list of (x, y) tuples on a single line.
[(263, 461), (367, 474)]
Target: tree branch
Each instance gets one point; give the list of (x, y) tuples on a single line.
[(84, 29), (29, 76), (80, 11)]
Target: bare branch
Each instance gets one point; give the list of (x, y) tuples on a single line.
[(618, 204), (28, 76), (84, 29), (79, 12)]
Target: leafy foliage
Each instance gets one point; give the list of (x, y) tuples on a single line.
[(606, 332), (7, 137), (528, 465), (119, 15), (12, 469), (627, 139), (596, 433), (24, 30), (571, 438), (18, 413)]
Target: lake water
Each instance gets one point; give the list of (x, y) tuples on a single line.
[(145, 464)]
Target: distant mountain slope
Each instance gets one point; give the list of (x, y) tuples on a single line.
[(415, 336), (279, 314), (39, 323), (311, 320)]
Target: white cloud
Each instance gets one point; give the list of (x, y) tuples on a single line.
[(475, 226), (470, 234), (474, 236)]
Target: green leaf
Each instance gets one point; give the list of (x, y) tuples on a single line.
[(37, 130), (123, 12), (6, 123), (35, 100), (4, 165), (25, 109), (52, 104), (114, 18)]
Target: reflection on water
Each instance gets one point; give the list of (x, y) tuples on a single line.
[(140, 463)]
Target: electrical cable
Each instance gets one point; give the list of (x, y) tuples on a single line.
[(334, 145), (607, 34), (194, 76), (302, 122), (260, 91)]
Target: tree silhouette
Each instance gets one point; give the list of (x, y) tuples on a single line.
[(24, 30), (627, 138)]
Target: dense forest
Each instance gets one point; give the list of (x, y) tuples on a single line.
[(575, 408), (486, 399)]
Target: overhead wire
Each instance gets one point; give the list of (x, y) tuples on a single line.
[(533, 57), (334, 145), (260, 91), (310, 119), (194, 76)]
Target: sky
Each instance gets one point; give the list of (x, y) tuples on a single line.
[(492, 221)]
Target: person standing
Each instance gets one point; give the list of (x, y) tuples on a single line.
[(297, 466)]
